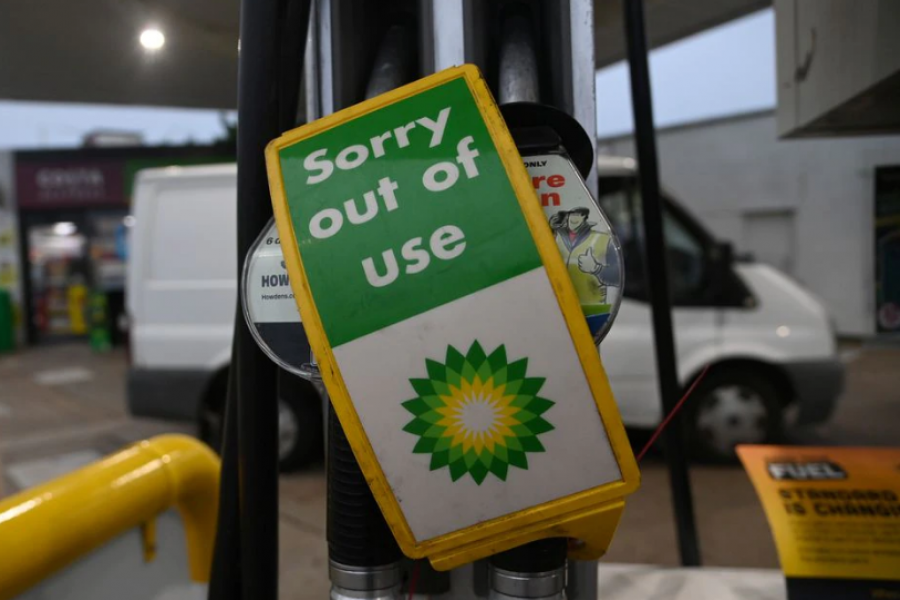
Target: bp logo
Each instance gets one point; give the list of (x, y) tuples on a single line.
[(477, 413)]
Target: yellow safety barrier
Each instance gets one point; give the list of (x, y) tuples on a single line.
[(45, 528)]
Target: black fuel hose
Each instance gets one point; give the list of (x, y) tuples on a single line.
[(358, 535)]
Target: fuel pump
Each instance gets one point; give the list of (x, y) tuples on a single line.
[(525, 48), (484, 331)]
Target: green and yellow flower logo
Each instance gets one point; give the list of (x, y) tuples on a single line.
[(477, 413)]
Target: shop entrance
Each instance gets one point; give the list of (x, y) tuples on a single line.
[(76, 273), (57, 275)]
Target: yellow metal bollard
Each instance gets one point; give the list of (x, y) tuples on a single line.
[(45, 528)]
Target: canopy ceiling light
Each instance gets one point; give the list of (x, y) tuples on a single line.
[(152, 39)]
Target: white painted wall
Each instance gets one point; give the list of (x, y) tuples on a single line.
[(727, 172)]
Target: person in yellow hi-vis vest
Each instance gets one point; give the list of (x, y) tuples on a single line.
[(584, 251)]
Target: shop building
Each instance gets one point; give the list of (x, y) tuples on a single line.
[(69, 211)]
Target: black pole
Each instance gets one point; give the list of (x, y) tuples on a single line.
[(225, 579), (256, 374), (657, 279), (272, 40)]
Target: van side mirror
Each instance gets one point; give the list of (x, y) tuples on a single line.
[(721, 261), (728, 289), (722, 255)]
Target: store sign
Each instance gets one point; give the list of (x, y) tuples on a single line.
[(447, 329), (70, 184), (835, 516)]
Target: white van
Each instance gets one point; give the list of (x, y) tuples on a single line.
[(769, 342), (181, 292)]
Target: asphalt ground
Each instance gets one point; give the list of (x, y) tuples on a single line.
[(62, 406)]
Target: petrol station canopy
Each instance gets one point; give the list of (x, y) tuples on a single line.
[(88, 51)]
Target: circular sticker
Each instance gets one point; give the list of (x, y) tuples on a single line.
[(586, 240), (270, 309)]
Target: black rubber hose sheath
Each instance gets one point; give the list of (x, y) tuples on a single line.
[(358, 535)]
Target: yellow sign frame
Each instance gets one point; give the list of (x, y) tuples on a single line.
[(590, 515)]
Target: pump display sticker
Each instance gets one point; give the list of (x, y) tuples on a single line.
[(448, 333), (270, 307), (270, 299), (586, 241), (835, 516)]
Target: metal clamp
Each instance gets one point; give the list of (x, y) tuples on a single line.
[(512, 584), (364, 579)]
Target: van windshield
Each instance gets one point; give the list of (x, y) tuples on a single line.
[(686, 250)]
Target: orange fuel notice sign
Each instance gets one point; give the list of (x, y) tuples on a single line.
[(835, 516)]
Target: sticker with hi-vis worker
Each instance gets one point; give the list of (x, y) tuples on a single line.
[(584, 236), (447, 330)]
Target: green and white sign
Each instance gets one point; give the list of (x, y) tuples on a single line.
[(400, 211), (447, 330)]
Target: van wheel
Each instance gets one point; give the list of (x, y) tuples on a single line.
[(731, 407)]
